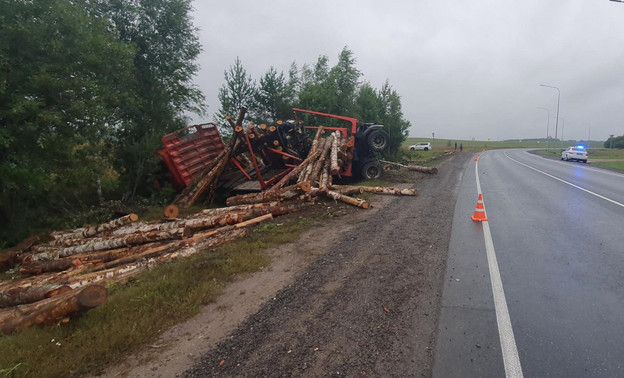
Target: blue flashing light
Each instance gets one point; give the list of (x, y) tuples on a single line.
[(580, 146)]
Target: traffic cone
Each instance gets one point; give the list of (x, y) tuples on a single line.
[(477, 157), (479, 213)]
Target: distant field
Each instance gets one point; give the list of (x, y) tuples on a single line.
[(476, 145)]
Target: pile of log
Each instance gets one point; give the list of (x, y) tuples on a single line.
[(314, 176), (67, 271)]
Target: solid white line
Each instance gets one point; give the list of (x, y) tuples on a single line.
[(585, 167), (566, 182), (511, 360)]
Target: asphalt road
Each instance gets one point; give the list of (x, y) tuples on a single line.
[(557, 234)]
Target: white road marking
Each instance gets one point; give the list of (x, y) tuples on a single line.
[(589, 168), (566, 182), (511, 360)]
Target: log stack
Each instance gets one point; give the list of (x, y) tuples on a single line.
[(66, 271)]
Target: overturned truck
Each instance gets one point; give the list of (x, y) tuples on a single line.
[(258, 156)]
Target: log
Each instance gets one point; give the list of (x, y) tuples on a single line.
[(346, 189), (346, 199), (306, 172), (171, 211), (65, 263), (11, 256), (417, 168), (87, 232), (334, 168), (52, 310), (202, 221), (314, 176), (294, 172), (270, 195), (109, 243)]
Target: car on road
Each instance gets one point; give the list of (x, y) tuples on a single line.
[(577, 153), (422, 146)]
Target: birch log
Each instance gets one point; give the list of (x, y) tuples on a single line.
[(346, 189), (286, 193), (87, 232), (52, 310), (346, 199)]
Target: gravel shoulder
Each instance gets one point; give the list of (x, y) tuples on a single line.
[(359, 295)]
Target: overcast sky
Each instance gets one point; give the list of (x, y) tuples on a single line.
[(464, 69)]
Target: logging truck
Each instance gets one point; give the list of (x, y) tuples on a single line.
[(264, 154)]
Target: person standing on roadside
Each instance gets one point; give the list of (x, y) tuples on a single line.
[(461, 147), (455, 146)]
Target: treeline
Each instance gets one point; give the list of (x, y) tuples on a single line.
[(335, 90), (88, 88), (615, 142)]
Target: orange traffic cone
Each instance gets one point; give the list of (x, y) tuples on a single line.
[(477, 157), (479, 213)]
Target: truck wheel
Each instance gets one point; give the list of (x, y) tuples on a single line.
[(377, 140), (371, 170)]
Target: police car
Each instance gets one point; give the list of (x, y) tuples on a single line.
[(577, 153)]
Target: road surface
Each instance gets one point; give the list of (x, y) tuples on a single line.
[(556, 244)]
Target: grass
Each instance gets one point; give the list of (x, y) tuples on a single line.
[(136, 313), (619, 165), (476, 145)]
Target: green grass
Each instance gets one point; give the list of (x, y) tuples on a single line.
[(619, 165), (476, 145), (136, 313), (606, 153)]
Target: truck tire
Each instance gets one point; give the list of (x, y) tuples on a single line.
[(377, 140), (371, 170)]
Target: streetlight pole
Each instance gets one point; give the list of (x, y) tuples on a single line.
[(558, 98), (547, 126), (562, 127)]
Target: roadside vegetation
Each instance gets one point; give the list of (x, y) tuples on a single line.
[(136, 313), (82, 114), (478, 145)]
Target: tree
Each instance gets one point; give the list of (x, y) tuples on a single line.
[(274, 97), (167, 46), (65, 83), (367, 104), (391, 116), (238, 90), (615, 142), (345, 77)]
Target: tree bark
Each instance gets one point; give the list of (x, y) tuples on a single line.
[(346, 199), (295, 171), (270, 195), (87, 232), (417, 168), (52, 310), (346, 189), (46, 253), (334, 168)]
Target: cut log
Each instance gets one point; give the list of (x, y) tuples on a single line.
[(286, 193), (11, 256), (109, 243), (52, 310), (346, 199), (87, 232), (346, 189), (417, 168), (294, 172), (316, 172), (334, 168), (171, 211)]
